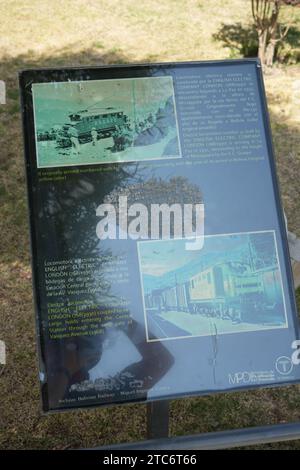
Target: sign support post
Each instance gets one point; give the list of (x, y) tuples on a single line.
[(158, 419)]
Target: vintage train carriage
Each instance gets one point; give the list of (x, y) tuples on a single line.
[(272, 284), (104, 120), (168, 298), (176, 298), (154, 300), (183, 296)]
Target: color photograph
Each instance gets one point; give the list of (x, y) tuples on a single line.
[(105, 121), (231, 285)]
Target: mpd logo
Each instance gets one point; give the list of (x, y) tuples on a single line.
[(241, 377), (250, 377)]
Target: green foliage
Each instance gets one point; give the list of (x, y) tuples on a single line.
[(288, 51), (98, 45)]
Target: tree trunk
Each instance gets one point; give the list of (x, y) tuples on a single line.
[(262, 45), (270, 53), (265, 14)]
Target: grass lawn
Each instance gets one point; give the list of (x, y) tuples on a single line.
[(39, 33)]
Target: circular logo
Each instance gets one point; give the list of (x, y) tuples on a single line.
[(284, 365)]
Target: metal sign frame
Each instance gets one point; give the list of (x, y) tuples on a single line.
[(158, 411)]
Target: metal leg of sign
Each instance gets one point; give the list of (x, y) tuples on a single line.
[(158, 419)]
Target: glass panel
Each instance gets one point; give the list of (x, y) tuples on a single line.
[(160, 258)]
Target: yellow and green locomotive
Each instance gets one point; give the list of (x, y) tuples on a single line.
[(227, 290)]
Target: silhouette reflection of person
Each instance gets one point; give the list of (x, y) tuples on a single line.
[(73, 134), (94, 135), (71, 360)]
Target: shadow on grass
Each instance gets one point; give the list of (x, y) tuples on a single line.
[(242, 40)]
